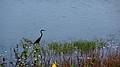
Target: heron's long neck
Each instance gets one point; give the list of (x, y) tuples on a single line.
[(38, 40), (41, 35)]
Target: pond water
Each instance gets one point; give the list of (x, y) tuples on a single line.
[(62, 19)]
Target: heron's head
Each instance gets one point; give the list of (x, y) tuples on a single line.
[(42, 30)]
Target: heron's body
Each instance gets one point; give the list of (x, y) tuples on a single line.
[(38, 40)]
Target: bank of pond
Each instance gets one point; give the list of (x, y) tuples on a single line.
[(78, 53)]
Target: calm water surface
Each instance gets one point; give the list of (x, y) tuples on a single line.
[(63, 19)]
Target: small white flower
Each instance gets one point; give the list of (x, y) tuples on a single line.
[(89, 58), (19, 60), (26, 47), (38, 55), (34, 51), (103, 47), (35, 58), (30, 47)]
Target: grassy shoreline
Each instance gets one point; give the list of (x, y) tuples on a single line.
[(80, 53)]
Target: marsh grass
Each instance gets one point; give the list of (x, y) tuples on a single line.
[(80, 53)]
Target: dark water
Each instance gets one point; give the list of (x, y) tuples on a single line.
[(63, 19)]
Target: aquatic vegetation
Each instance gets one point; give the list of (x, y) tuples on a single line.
[(80, 53)]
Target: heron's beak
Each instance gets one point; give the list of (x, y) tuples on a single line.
[(43, 30)]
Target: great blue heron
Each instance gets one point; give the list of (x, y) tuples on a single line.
[(38, 40)]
